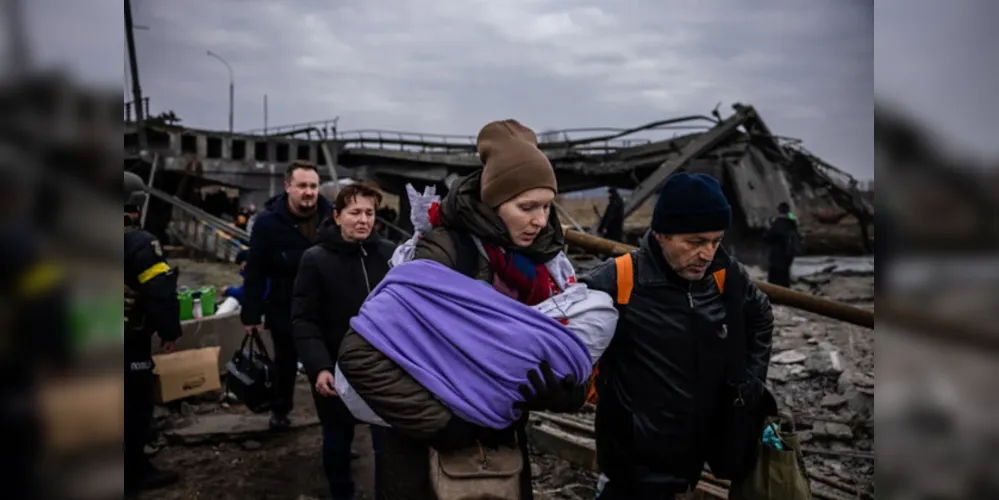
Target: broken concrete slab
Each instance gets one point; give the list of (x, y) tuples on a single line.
[(834, 430), (832, 401), (575, 449), (778, 374), (825, 362), (229, 426), (850, 379), (860, 401), (788, 357)]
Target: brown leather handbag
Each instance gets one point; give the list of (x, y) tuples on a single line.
[(477, 473)]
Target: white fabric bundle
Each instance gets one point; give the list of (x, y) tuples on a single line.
[(590, 314)]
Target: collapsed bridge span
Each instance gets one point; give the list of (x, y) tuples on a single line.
[(757, 169)]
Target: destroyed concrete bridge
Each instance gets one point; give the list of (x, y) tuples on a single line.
[(757, 168)]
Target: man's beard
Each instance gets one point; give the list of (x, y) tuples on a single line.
[(304, 209), (299, 205)]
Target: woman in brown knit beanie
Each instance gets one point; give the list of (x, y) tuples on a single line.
[(495, 225), (517, 179)]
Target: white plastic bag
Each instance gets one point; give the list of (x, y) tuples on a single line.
[(228, 305), (419, 215), (358, 408), (562, 271), (590, 314)]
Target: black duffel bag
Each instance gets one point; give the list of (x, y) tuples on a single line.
[(251, 374)]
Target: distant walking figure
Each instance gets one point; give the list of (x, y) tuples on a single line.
[(784, 242), (612, 223)]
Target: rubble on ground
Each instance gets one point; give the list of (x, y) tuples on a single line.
[(557, 479), (822, 369)]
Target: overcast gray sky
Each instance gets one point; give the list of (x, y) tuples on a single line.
[(450, 66), (940, 60)]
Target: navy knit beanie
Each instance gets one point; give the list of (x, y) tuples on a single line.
[(691, 203)]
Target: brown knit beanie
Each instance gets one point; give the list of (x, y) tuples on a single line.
[(512, 162)]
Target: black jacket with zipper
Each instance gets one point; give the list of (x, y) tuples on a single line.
[(334, 278), (276, 248), (662, 379)]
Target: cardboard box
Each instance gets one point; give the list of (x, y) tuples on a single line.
[(82, 413), (186, 373), (223, 330)]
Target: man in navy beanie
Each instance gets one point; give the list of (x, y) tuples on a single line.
[(683, 379)]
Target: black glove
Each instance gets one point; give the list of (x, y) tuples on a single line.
[(551, 394), (457, 434)]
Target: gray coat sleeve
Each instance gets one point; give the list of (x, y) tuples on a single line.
[(603, 277)]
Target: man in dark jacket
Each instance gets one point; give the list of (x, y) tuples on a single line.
[(150, 307), (612, 222), (663, 381), (334, 279), (281, 234), (784, 243)]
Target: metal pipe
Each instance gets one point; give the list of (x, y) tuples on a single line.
[(777, 294)]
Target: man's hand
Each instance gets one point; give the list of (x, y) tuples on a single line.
[(251, 329), (326, 384)]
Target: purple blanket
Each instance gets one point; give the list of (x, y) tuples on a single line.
[(466, 343)]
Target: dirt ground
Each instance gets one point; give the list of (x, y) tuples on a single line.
[(287, 466), (265, 465), (834, 404), (251, 465)]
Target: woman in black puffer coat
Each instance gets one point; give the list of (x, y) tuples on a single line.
[(334, 278)]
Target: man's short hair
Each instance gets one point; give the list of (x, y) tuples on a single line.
[(299, 165), (349, 193)]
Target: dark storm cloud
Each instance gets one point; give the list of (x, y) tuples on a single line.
[(449, 66)]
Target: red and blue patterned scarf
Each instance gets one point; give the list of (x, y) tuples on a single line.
[(532, 282)]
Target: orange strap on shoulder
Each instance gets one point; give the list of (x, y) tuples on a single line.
[(591, 393), (625, 284), (719, 276), (625, 278)]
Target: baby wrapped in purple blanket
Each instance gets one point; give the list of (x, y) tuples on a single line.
[(467, 344)]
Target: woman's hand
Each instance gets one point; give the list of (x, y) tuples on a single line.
[(326, 384)]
